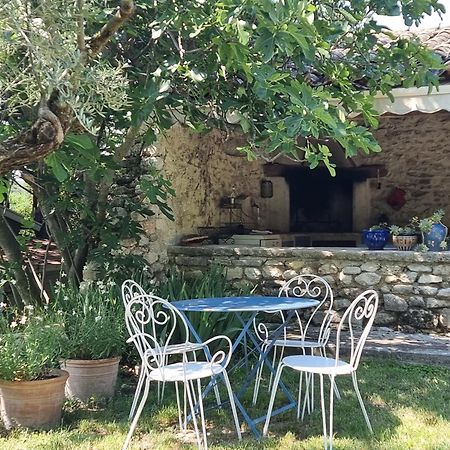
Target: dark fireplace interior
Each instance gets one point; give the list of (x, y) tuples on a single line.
[(320, 203)]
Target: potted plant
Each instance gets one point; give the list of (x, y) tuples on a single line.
[(31, 386), (433, 231), (376, 237), (404, 237), (94, 329)]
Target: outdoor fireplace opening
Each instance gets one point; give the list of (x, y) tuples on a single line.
[(320, 203)]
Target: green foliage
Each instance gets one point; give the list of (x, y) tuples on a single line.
[(79, 171), (211, 283), (93, 320), (427, 223), (39, 54), (410, 229), (158, 191), (21, 202), (407, 406), (380, 226), (281, 69), (30, 345)]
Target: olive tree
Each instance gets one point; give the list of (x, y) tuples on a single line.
[(91, 77)]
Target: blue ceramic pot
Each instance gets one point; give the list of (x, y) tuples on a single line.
[(375, 239), (435, 236)]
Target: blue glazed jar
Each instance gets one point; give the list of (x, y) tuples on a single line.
[(435, 237), (375, 239)]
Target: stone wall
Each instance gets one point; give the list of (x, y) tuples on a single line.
[(414, 287), (203, 169), (416, 155)]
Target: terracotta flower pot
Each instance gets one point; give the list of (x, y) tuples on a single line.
[(33, 404), (91, 377), (404, 242)]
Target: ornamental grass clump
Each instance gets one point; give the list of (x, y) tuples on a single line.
[(30, 344), (93, 320)]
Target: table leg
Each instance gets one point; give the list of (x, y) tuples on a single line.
[(263, 360)]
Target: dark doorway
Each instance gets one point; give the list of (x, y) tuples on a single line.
[(320, 203)]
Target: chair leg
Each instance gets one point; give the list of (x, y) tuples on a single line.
[(216, 387), (307, 402), (137, 393), (336, 390), (299, 400), (189, 388), (137, 415), (332, 385), (180, 420), (202, 414), (258, 376), (272, 397), (323, 352), (233, 405), (163, 383), (361, 403), (312, 384), (324, 413), (275, 348)]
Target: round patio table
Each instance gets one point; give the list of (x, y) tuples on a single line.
[(240, 306)]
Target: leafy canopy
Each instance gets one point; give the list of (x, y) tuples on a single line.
[(277, 69)]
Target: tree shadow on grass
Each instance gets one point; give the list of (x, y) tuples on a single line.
[(385, 386)]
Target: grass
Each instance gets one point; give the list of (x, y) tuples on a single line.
[(21, 202), (409, 407)]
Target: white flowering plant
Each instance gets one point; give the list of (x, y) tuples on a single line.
[(93, 320), (30, 344)]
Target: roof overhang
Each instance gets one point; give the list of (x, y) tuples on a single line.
[(407, 100)]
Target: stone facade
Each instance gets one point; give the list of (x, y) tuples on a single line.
[(204, 167), (415, 154), (414, 287)]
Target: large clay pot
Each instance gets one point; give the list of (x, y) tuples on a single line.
[(91, 378), (404, 242), (33, 404), (435, 236)]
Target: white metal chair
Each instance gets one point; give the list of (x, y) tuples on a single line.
[(310, 286), (362, 309), (130, 291), (167, 324)]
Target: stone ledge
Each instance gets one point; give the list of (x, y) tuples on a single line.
[(309, 252)]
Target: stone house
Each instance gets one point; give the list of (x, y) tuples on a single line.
[(313, 215)]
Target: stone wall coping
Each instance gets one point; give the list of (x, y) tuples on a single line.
[(323, 253)]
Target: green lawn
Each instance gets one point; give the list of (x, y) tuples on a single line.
[(409, 407)]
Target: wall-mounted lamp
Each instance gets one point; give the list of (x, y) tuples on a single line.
[(266, 189)]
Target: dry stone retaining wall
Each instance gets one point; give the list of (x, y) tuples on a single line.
[(414, 287)]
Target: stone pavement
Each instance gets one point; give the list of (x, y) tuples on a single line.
[(415, 348)]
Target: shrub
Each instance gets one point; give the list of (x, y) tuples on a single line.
[(30, 345), (93, 320)]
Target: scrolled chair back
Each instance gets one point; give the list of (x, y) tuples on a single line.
[(316, 288), (359, 316), (163, 322), (308, 286), (131, 289)]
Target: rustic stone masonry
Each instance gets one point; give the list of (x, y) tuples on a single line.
[(414, 287)]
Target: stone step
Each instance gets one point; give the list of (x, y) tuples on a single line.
[(417, 348)]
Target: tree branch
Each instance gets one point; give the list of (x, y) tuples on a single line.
[(81, 39), (25, 284), (44, 136), (98, 42), (54, 121)]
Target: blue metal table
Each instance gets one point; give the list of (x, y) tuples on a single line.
[(252, 305)]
